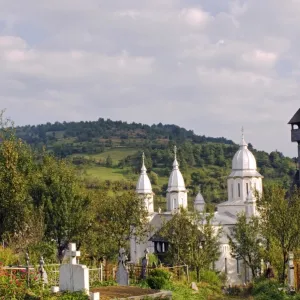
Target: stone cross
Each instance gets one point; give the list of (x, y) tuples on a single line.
[(72, 253), (73, 277)]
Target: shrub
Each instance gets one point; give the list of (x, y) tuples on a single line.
[(158, 279), (268, 289), (211, 277), (7, 257)]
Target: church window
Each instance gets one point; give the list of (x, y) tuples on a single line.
[(174, 203), (163, 247), (247, 188), (237, 266), (232, 191), (226, 271), (239, 189)]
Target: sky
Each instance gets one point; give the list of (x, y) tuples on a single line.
[(212, 66)]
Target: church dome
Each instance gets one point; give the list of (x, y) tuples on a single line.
[(143, 185), (244, 162), (176, 181), (244, 159)]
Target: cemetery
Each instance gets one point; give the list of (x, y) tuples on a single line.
[(61, 240)]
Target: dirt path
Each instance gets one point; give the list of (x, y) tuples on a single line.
[(111, 292)]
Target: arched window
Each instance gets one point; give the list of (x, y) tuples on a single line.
[(232, 190), (247, 188), (239, 189)]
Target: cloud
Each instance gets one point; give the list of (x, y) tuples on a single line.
[(194, 16), (212, 68)]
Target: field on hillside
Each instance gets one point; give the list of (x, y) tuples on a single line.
[(116, 154)]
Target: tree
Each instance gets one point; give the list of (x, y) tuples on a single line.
[(153, 177), (109, 162), (280, 222), (57, 189), (117, 218), (205, 246), (16, 169), (245, 242), (192, 239)]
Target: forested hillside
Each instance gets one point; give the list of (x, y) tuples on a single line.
[(108, 154)]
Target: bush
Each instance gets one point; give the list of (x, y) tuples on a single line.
[(268, 289), (211, 277), (158, 279), (7, 257)]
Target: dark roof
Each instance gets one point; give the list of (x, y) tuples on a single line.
[(296, 118)]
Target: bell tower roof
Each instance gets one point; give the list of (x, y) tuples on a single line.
[(143, 185), (296, 118), (199, 198), (176, 181)]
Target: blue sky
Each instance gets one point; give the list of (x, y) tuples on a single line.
[(212, 65)]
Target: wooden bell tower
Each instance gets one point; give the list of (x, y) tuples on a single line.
[(295, 132)]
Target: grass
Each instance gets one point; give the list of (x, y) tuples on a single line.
[(112, 174), (116, 154)]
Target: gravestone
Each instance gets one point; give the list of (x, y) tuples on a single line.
[(73, 277), (291, 274), (122, 272), (144, 264), (42, 271)]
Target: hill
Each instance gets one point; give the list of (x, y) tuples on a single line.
[(108, 155)]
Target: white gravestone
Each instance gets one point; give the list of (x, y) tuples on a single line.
[(73, 277), (291, 275)]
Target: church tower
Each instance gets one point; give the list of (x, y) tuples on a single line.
[(176, 192), (199, 203), (144, 188), (244, 175), (250, 210), (295, 122)]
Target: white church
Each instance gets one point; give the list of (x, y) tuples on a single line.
[(243, 179)]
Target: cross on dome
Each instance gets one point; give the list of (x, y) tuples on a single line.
[(243, 142), (143, 169), (175, 163)]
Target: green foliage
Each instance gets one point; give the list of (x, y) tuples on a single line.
[(57, 191), (109, 161), (45, 248), (210, 157), (268, 289), (280, 222), (158, 279), (193, 240), (183, 291), (104, 283), (245, 242), (113, 217), (211, 277), (7, 257)]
